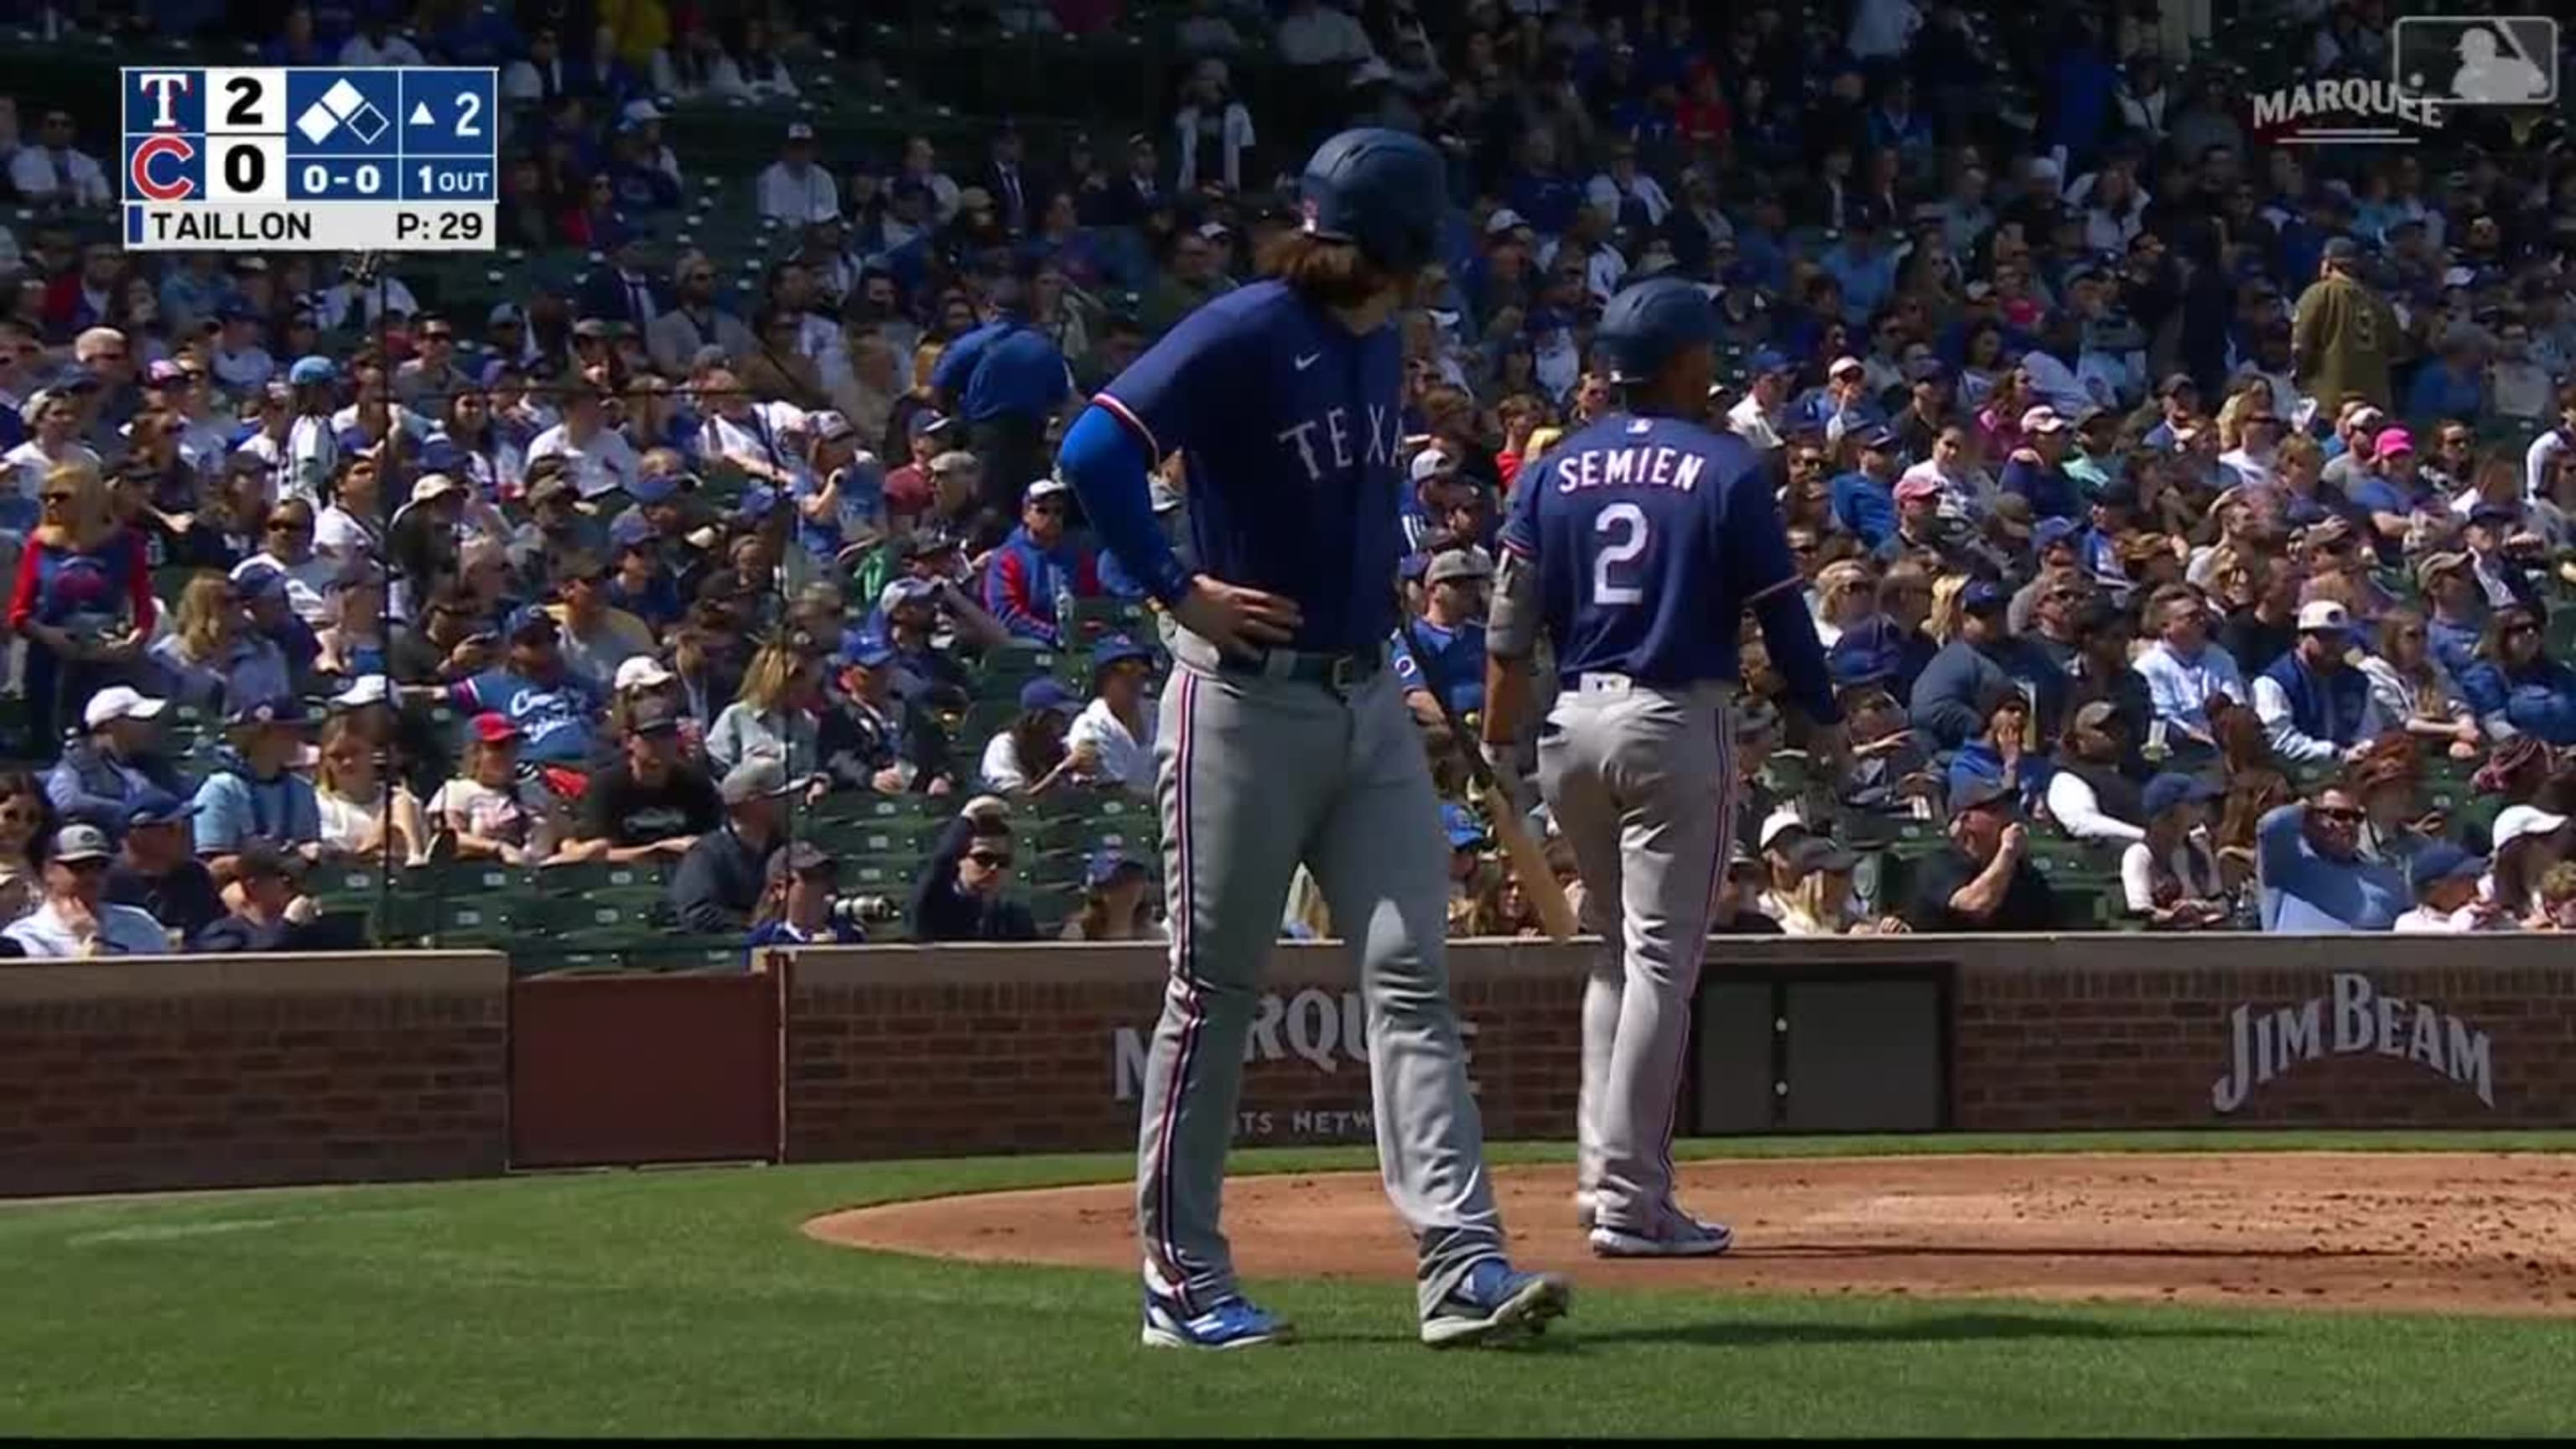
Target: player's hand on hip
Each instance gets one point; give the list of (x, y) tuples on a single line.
[(1237, 620)]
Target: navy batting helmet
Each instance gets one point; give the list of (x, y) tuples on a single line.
[(1650, 324), (1381, 190)]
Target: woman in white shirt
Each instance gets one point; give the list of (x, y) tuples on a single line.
[(2409, 684), (351, 530), (779, 715), (1116, 730), (287, 546), (2170, 877), (361, 816)]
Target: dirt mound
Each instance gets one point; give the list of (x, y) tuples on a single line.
[(2463, 1232)]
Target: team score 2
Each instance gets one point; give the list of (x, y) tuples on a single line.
[(444, 226)]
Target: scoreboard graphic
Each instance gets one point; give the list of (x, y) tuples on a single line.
[(311, 159)]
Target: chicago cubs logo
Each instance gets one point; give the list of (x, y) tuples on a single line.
[(139, 172)]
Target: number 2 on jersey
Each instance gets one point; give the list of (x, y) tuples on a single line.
[(1628, 521)]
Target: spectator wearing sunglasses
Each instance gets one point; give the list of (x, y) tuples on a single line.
[(2513, 684), (959, 895), (2311, 874)]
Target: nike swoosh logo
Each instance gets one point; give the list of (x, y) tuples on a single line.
[(1309, 360)]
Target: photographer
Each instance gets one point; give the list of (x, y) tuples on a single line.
[(958, 896), (799, 907)]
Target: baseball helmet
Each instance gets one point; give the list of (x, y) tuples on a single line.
[(1650, 324), (1383, 191)]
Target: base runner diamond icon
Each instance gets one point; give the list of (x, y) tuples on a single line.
[(317, 123), (368, 123)]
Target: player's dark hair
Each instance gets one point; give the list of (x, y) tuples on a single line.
[(1327, 273)]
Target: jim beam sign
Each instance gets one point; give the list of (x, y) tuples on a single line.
[(2353, 1019)]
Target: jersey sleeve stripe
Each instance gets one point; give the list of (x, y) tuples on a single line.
[(1514, 545), (1120, 411)]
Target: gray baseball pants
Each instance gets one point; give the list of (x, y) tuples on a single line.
[(1260, 772), (1641, 782)]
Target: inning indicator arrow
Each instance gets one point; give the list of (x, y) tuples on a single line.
[(420, 115)]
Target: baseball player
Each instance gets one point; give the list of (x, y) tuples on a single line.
[(1636, 545), (1284, 738)]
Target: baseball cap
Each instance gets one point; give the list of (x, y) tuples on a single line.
[(2324, 616), (1431, 462), (799, 131), (1818, 852), (1117, 649), (252, 713), (759, 778), (802, 857), (528, 620), (2486, 514), (2042, 419), (953, 460), (2442, 861), (1765, 362), (830, 427), (2173, 788), (311, 370), (641, 112), (74, 843), (1108, 863), (364, 690), (1984, 794), (2051, 531), (554, 486), (1503, 220), (2341, 249), (1045, 488), (1878, 438), (2436, 565), (2391, 442), (1981, 596), (121, 702), (653, 715), (2092, 716), (925, 423), (907, 591), (1857, 667), (1458, 564), (157, 807), (642, 672), (1841, 365), (1917, 485), (2517, 821), (2176, 382), (434, 485), (261, 860), (1778, 823), (492, 728), (865, 651), (1462, 828), (1045, 693)]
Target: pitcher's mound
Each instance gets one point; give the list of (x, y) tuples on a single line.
[(2452, 1231)]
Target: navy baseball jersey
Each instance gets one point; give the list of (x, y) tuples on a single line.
[(1290, 425), (1652, 536)]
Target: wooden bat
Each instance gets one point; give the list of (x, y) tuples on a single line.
[(1520, 848)]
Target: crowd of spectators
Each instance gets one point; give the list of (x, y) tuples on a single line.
[(2185, 513)]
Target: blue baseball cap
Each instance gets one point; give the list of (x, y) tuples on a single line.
[(1107, 864), (1767, 361), (1117, 649), (157, 807), (864, 650), (2441, 861), (311, 370), (1648, 325), (1853, 668), (259, 580), (1045, 693), (529, 619), (2487, 514), (2049, 531), (278, 710), (652, 487), (1462, 828), (1878, 438), (2173, 788), (1982, 595)]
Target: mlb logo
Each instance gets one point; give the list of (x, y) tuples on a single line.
[(2476, 60)]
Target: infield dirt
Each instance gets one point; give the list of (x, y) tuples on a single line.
[(2455, 1232)]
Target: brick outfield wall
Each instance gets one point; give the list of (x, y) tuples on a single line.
[(961, 1051), (193, 1072)]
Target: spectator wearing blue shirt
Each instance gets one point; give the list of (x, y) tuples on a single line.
[(2185, 671), (1865, 499), (103, 772), (2036, 470), (1452, 630), (2451, 385), (1999, 756), (1037, 571), (556, 710), (1006, 379), (840, 495), (253, 793), (1862, 265), (1956, 690), (2515, 687), (2387, 488), (2311, 874), (1538, 190)]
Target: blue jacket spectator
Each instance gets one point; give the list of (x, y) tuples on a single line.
[(1953, 696), (253, 794), (554, 708), (105, 771), (1037, 570), (2516, 688), (2316, 708), (2312, 875), (1864, 500)]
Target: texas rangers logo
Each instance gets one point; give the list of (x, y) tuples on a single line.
[(140, 174)]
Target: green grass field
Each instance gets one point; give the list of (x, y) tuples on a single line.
[(686, 1302)]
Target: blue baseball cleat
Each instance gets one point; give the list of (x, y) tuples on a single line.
[(1233, 1323), (1496, 1304)]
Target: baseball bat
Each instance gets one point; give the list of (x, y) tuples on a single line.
[(1520, 848)]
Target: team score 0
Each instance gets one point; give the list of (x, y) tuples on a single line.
[(445, 226)]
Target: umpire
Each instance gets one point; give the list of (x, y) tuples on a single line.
[(1006, 379)]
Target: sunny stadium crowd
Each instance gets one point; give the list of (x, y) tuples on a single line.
[(2188, 518)]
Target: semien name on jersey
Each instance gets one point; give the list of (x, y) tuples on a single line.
[(1650, 467)]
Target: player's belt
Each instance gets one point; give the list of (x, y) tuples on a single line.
[(1332, 671)]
